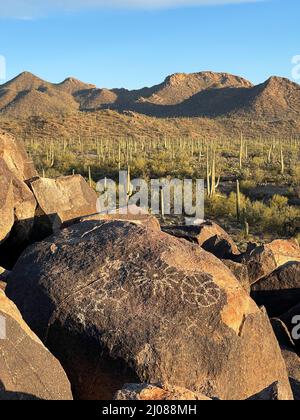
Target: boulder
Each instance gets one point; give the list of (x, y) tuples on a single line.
[(282, 334), (265, 259), (292, 321), (17, 203), (27, 369), (240, 271), (7, 214), (209, 236), (148, 392), (139, 219), (280, 291), (61, 201), (122, 303), (13, 153), (292, 362), (289, 354), (274, 392)]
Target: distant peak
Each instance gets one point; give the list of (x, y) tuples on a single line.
[(278, 80), (71, 80), (71, 84), (27, 75), (207, 77)]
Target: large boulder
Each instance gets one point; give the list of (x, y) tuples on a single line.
[(13, 153), (121, 303), (291, 320), (27, 369), (274, 392), (288, 349), (263, 260), (209, 236), (61, 201), (131, 216), (280, 291), (282, 334), (146, 392), (292, 362), (7, 214), (17, 203)]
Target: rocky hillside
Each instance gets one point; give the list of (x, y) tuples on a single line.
[(204, 94), (138, 310)]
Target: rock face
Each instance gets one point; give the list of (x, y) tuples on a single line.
[(32, 208), (17, 203), (274, 392), (291, 320), (151, 393), (265, 259), (292, 362), (120, 303), (27, 369), (13, 153), (209, 236), (280, 291), (7, 217), (138, 219), (241, 273), (62, 200)]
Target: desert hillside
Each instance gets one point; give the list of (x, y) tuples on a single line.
[(204, 94)]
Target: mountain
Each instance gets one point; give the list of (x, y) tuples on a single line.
[(204, 94), (179, 87)]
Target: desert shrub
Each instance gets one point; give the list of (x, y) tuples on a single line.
[(248, 185)]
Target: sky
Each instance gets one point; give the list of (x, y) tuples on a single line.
[(136, 43)]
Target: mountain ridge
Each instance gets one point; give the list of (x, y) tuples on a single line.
[(204, 94)]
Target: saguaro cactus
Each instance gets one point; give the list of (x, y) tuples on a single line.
[(212, 184), (238, 201), (282, 160)]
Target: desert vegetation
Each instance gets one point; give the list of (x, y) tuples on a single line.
[(254, 188)]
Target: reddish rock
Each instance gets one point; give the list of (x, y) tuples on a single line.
[(209, 236), (120, 303), (241, 273), (62, 200), (265, 259), (13, 153), (274, 392), (17, 203), (27, 369), (280, 291)]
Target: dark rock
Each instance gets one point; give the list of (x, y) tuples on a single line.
[(280, 291), (209, 236), (292, 362), (27, 369), (274, 392), (282, 333), (241, 273), (265, 259), (292, 321), (61, 201), (120, 303)]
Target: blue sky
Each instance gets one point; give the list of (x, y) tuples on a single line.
[(142, 41)]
